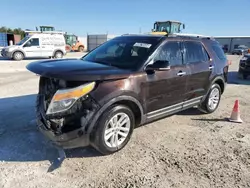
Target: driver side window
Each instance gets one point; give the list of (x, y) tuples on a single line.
[(32, 42), (170, 51)]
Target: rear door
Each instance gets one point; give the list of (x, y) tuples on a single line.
[(201, 66)]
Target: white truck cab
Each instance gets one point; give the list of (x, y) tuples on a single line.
[(37, 44)]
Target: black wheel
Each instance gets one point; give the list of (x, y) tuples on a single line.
[(18, 56), (212, 100), (80, 49), (113, 130), (244, 76), (58, 55)]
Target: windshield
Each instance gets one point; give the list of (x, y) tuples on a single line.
[(124, 52), (23, 41), (165, 26)]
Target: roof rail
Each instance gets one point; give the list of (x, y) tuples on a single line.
[(189, 35), (45, 32)]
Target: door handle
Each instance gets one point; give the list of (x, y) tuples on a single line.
[(181, 73), (211, 67)]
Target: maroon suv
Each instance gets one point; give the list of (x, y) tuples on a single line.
[(128, 81)]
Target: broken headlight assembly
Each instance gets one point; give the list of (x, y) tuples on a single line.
[(64, 99)]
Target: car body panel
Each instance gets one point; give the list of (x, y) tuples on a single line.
[(154, 94), (76, 70), (199, 76)]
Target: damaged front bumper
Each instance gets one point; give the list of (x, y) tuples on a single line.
[(68, 140), (73, 133)]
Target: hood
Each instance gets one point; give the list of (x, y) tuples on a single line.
[(9, 47), (76, 70)]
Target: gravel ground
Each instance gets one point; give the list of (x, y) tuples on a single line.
[(185, 150)]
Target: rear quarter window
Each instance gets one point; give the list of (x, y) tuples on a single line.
[(219, 52)]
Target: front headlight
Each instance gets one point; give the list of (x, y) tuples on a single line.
[(243, 58), (65, 98)]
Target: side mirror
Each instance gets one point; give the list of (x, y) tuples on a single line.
[(159, 65)]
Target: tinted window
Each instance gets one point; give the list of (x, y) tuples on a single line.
[(34, 42), (219, 52), (171, 51), (124, 52), (195, 52)]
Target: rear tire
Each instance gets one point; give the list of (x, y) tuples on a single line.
[(58, 55), (80, 49), (109, 137), (18, 56), (212, 101)]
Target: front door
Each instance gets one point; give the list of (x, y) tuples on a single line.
[(32, 48), (166, 89), (198, 61)]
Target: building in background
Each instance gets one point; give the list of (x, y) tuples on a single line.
[(229, 43), (91, 41)]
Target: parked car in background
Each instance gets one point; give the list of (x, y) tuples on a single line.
[(37, 45), (240, 50), (244, 66), (126, 82)]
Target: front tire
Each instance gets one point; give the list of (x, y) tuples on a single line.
[(18, 56), (113, 130), (212, 100)]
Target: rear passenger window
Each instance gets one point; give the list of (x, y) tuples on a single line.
[(219, 52), (170, 51), (195, 52)]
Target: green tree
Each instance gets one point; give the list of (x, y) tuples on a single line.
[(17, 31)]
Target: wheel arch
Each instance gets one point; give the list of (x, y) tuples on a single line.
[(128, 101), (56, 50), (217, 80), (221, 82), (81, 45), (18, 50)]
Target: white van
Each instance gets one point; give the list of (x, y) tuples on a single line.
[(37, 45)]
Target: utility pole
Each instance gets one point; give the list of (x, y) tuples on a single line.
[(140, 30)]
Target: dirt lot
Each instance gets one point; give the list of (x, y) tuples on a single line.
[(185, 150)]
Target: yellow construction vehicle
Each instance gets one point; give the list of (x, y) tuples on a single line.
[(167, 27)]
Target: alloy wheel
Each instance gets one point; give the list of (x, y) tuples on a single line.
[(214, 98), (117, 130)]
